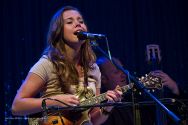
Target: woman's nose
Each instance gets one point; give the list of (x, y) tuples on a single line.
[(77, 24)]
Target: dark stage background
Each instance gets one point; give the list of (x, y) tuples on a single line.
[(129, 24)]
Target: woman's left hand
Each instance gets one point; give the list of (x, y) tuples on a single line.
[(113, 96)]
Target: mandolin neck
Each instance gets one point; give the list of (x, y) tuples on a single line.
[(102, 97)]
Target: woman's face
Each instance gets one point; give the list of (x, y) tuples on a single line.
[(73, 22)]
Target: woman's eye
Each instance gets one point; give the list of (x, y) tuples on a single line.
[(69, 22), (81, 21)]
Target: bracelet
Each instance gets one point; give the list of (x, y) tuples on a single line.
[(105, 112)]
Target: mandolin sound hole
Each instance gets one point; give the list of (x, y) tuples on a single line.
[(55, 122)]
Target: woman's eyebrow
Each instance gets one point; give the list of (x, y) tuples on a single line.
[(69, 18)]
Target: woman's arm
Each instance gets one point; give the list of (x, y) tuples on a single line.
[(25, 103)]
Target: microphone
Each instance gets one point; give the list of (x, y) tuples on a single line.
[(85, 35)]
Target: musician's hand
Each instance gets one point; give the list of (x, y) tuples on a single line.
[(113, 96), (68, 99), (166, 81)]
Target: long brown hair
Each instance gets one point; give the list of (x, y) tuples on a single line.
[(65, 70)]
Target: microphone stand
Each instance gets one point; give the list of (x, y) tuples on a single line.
[(140, 86)]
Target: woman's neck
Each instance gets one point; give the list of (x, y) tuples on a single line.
[(73, 54)]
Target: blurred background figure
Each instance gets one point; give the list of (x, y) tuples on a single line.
[(111, 77)]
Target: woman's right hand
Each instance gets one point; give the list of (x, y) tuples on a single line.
[(69, 99)]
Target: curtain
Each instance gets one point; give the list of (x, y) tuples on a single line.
[(130, 25)]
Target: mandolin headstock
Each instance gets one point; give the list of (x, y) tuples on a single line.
[(151, 82)]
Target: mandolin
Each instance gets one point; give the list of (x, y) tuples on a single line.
[(82, 117)]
